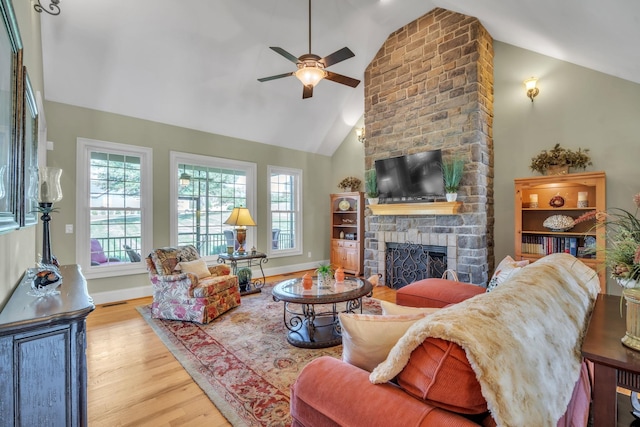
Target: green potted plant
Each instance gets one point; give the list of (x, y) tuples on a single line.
[(324, 271), (244, 277), (350, 183), (558, 160), (371, 186), (452, 171)]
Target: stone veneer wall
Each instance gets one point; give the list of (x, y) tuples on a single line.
[(430, 86)]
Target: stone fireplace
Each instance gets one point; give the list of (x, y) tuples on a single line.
[(431, 87), (406, 263)]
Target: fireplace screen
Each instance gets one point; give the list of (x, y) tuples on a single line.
[(407, 262)]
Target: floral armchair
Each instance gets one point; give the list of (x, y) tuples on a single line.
[(184, 288)]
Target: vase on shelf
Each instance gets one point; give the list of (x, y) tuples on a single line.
[(631, 338), (451, 197), (557, 170)]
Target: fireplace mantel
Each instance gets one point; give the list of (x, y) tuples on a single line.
[(434, 208)]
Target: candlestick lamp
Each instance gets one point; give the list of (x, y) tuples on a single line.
[(49, 192)]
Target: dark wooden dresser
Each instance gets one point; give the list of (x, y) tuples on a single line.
[(43, 371)]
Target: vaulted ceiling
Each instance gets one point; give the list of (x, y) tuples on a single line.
[(195, 63)]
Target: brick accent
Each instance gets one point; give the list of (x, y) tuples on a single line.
[(430, 86)]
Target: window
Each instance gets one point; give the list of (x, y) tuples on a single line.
[(285, 213), (205, 190), (114, 195)]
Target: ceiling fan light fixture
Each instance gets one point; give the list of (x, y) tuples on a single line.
[(310, 74)]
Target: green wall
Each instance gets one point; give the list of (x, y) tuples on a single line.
[(18, 248), (576, 107), (348, 160), (67, 123)]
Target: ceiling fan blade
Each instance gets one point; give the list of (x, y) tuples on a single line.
[(337, 56), (284, 53), (279, 76), (307, 92), (339, 78)]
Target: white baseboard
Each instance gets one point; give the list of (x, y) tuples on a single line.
[(121, 294), (108, 297), (289, 268)]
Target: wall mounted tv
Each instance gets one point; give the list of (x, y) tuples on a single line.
[(411, 178)]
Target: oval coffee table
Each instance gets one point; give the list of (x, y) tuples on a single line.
[(311, 316)]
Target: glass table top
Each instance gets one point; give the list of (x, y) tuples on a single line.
[(330, 290)]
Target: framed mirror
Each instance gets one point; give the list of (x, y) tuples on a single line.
[(10, 102), (30, 163)]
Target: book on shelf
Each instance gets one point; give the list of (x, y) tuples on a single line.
[(545, 245), (573, 246)]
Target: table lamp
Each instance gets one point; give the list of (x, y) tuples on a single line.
[(240, 218), (49, 192)]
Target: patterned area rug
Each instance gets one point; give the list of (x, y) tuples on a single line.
[(242, 360)]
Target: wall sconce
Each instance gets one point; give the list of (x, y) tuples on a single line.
[(185, 179), (53, 7), (360, 135), (532, 90)]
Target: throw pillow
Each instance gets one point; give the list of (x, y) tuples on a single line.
[(164, 259), (187, 253), (507, 267), (389, 308), (97, 253), (439, 373), (197, 267), (368, 338)]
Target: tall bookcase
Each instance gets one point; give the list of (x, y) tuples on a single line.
[(577, 194), (347, 232)]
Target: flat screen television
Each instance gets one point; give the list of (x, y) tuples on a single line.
[(411, 178)]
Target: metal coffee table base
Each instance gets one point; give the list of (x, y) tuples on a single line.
[(321, 332), (311, 315), (309, 329)]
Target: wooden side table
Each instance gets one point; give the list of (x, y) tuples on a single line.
[(247, 259), (614, 364), (43, 367)]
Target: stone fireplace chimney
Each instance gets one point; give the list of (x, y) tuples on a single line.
[(429, 87)]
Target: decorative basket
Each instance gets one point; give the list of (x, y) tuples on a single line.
[(559, 223)]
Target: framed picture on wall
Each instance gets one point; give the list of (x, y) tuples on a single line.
[(10, 117), (30, 163)]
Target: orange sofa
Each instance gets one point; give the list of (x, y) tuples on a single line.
[(437, 387)]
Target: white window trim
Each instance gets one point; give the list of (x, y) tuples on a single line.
[(297, 250), (83, 257), (176, 157)]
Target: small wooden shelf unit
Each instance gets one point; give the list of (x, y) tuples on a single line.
[(533, 240), (347, 232)]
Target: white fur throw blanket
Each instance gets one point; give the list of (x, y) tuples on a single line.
[(522, 340)]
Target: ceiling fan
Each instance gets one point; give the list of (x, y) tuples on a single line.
[(312, 68)]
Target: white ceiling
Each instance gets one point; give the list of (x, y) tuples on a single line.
[(195, 63)]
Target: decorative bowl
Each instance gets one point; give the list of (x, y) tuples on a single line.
[(559, 223), (44, 283)]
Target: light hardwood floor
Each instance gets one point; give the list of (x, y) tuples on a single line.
[(133, 380)]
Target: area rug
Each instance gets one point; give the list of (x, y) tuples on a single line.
[(242, 360)]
